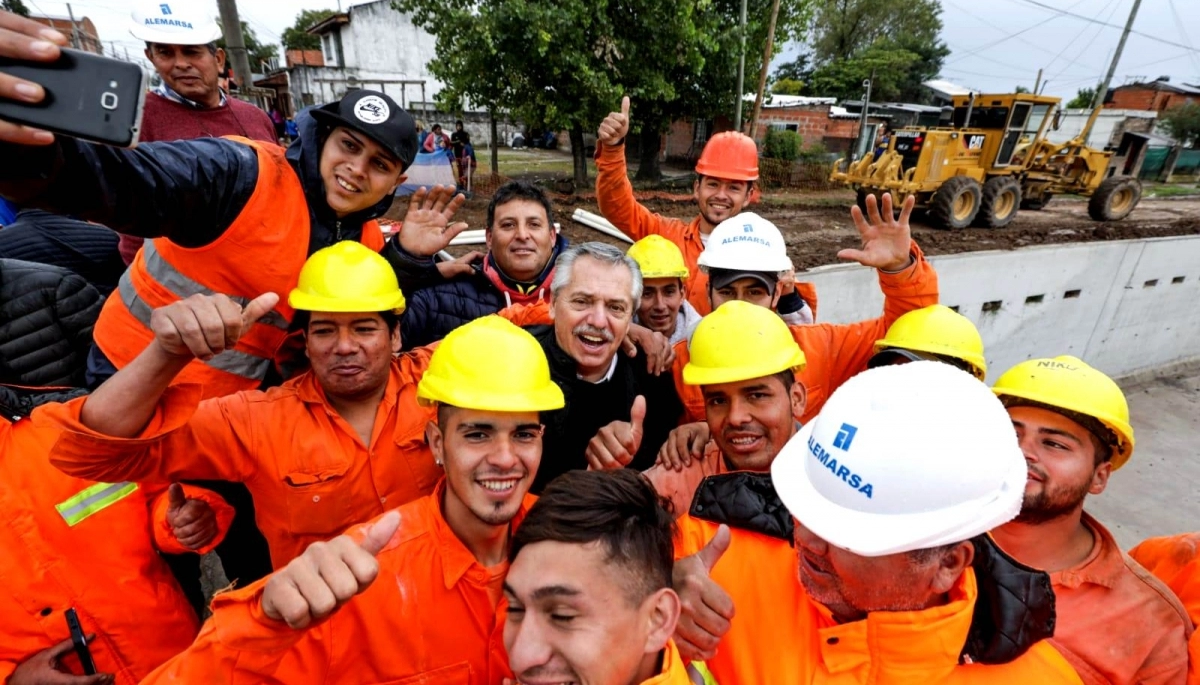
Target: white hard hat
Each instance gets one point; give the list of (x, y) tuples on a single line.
[(175, 22), (903, 458), (745, 242)]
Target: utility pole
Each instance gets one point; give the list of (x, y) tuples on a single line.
[(762, 75), (737, 117), (1102, 91), (1037, 85), (235, 43), (74, 28)]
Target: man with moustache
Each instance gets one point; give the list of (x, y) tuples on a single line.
[(430, 573), (1072, 422)]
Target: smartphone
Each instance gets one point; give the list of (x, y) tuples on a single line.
[(88, 96), (79, 639)]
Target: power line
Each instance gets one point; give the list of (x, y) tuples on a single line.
[(1183, 33), (1153, 37), (1080, 52), (1014, 34)]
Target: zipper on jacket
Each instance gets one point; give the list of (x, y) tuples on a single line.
[(337, 231)]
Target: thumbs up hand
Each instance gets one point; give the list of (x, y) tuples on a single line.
[(192, 521), (327, 575), (706, 609), (615, 445), (615, 126)]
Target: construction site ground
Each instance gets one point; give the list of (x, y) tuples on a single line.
[(817, 225)]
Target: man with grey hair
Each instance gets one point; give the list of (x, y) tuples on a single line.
[(612, 401)]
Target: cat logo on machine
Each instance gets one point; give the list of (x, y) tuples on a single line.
[(974, 142)]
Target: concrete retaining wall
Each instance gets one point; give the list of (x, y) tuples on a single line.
[(1125, 307)]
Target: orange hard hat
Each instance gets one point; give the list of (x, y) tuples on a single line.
[(730, 155)]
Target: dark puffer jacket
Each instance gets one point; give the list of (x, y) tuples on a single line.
[(46, 319)]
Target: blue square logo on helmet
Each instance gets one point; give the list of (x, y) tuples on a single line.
[(845, 436), (166, 9), (747, 228)]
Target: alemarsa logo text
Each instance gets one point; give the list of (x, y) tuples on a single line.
[(157, 21), (839, 470)]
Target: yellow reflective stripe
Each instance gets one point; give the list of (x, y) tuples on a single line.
[(93, 499), (231, 361), (699, 674)]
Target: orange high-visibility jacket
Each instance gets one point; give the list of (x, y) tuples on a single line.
[(779, 635), (68, 542), (262, 251), (835, 352), (614, 194), (1175, 560), (429, 617), (308, 471)]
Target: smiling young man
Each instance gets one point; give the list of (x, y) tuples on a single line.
[(664, 307), (745, 361), (589, 586), (339, 444), (232, 216), (429, 575), (522, 243), (1072, 423)]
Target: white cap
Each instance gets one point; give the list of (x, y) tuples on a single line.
[(745, 242), (175, 22), (902, 458)]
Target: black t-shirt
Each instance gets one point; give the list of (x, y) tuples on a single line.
[(459, 139)]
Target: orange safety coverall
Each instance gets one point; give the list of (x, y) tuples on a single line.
[(307, 469), (779, 635), (69, 542), (1109, 589), (1175, 560), (429, 617), (835, 352), (614, 194)]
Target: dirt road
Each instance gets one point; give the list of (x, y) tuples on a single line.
[(816, 227)]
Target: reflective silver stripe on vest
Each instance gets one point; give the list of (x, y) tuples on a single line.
[(169, 277), (232, 361)]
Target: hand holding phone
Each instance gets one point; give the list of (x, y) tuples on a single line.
[(25, 39), (80, 642)]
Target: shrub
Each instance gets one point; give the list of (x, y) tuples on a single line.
[(783, 145)]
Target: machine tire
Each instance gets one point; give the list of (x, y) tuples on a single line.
[(1115, 198), (1036, 203), (999, 202), (861, 201), (949, 206)]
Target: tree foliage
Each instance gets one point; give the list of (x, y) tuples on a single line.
[(297, 37), (1182, 122), (893, 42), (14, 6), (1083, 99), (564, 64), (784, 145), (258, 53), (787, 86)]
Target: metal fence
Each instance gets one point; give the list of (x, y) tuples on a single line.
[(805, 175), (1153, 163)]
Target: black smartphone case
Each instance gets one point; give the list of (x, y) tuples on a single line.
[(88, 96)]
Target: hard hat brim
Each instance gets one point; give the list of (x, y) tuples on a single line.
[(701, 375), (434, 390), (315, 303), (879, 534), (1123, 431), (164, 37)]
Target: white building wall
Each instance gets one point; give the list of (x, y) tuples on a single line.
[(1123, 306), (1074, 120)]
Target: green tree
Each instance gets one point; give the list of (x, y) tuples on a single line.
[(297, 37), (1182, 122), (258, 53), (1083, 99), (565, 64), (798, 69), (1020, 89), (787, 86), (14, 6), (897, 40)]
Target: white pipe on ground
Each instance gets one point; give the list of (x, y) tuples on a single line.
[(473, 237), (600, 224)]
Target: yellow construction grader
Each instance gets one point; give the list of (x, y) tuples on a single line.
[(992, 160)]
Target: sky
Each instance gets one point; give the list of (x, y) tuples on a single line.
[(995, 45)]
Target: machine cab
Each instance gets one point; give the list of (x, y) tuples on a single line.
[(1005, 125)]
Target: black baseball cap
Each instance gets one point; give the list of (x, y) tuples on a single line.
[(720, 278), (376, 116)]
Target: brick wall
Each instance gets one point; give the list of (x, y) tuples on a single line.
[(1148, 99)]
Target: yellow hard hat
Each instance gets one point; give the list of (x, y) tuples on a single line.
[(740, 341), (1085, 395), (938, 330), (490, 364), (658, 257), (347, 277)]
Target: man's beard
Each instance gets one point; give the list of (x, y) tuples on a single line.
[(1052, 503)]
